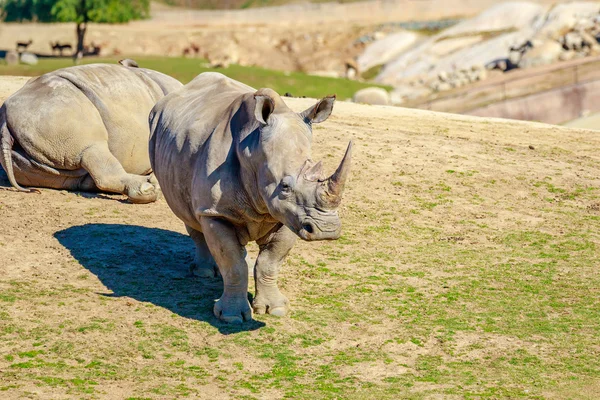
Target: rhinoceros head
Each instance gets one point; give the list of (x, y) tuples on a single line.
[(291, 185)]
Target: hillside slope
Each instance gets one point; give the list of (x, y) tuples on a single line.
[(468, 267)]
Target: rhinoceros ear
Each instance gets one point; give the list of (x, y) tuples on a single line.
[(320, 111), (264, 108)]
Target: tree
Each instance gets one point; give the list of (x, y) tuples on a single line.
[(79, 11)]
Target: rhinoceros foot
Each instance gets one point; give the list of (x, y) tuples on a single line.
[(142, 189), (272, 302), (203, 270), (233, 310)]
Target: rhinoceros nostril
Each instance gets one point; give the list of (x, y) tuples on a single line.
[(308, 228)]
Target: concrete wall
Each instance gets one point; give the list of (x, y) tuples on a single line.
[(554, 106)]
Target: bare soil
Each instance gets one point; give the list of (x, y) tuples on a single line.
[(468, 267)]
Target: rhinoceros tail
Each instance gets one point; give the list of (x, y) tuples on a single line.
[(6, 144)]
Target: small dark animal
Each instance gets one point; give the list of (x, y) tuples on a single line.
[(92, 50), (60, 47), (192, 48), (24, 45)]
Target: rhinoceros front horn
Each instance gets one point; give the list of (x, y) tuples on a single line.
[(335, 183)]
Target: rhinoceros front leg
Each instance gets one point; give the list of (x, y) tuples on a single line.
[(233, 306), (109, 175), (204, 264), (273, 251)]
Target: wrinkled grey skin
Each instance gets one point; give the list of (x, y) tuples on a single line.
[(84, 128), (234, 164)]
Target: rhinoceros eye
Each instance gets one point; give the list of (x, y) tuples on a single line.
[(286, 184)]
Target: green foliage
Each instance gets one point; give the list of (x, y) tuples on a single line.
[(101, 11), (27, 10)]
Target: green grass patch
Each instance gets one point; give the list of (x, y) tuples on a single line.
[(185, 69)]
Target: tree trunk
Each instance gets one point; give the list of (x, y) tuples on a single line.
[(81, 29)]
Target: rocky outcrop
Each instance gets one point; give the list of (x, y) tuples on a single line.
[(28, 59), (384, 50), (11, 58), (507, 36), (373, 96)]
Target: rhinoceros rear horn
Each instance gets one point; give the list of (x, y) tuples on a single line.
[(335, 183)]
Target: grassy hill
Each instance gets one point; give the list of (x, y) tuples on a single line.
[(185, 69), (237, 4)]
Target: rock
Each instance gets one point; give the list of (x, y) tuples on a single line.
[(29, 59), (567, 55), (396, 99), (378, 35), (483, 74), (491, 66), (572, 41), (445, 47), (505, 16), (547, 53), (12, 58), (443, 76), (585, 24), (373, 96), (402, 93), (441, 86), (351, 73), (514, 57), (588, 40), (386, 49)]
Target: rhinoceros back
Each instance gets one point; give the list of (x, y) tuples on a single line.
[(190, 135), (56, 115)]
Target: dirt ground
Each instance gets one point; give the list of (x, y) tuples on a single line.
[(467, 269)]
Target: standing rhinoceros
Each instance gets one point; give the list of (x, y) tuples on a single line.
[(84, 128), (234, 164)]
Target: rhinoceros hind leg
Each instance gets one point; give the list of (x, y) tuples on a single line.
[(30, 173), (204, 265), (233, 306), (273, 251), (109, 176)]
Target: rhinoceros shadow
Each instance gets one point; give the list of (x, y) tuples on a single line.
[(148, 265)]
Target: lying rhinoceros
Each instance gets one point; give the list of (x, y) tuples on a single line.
[(84, 128), (234, 164)]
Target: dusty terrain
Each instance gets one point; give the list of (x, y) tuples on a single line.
[(315, 48), (468, 267)]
